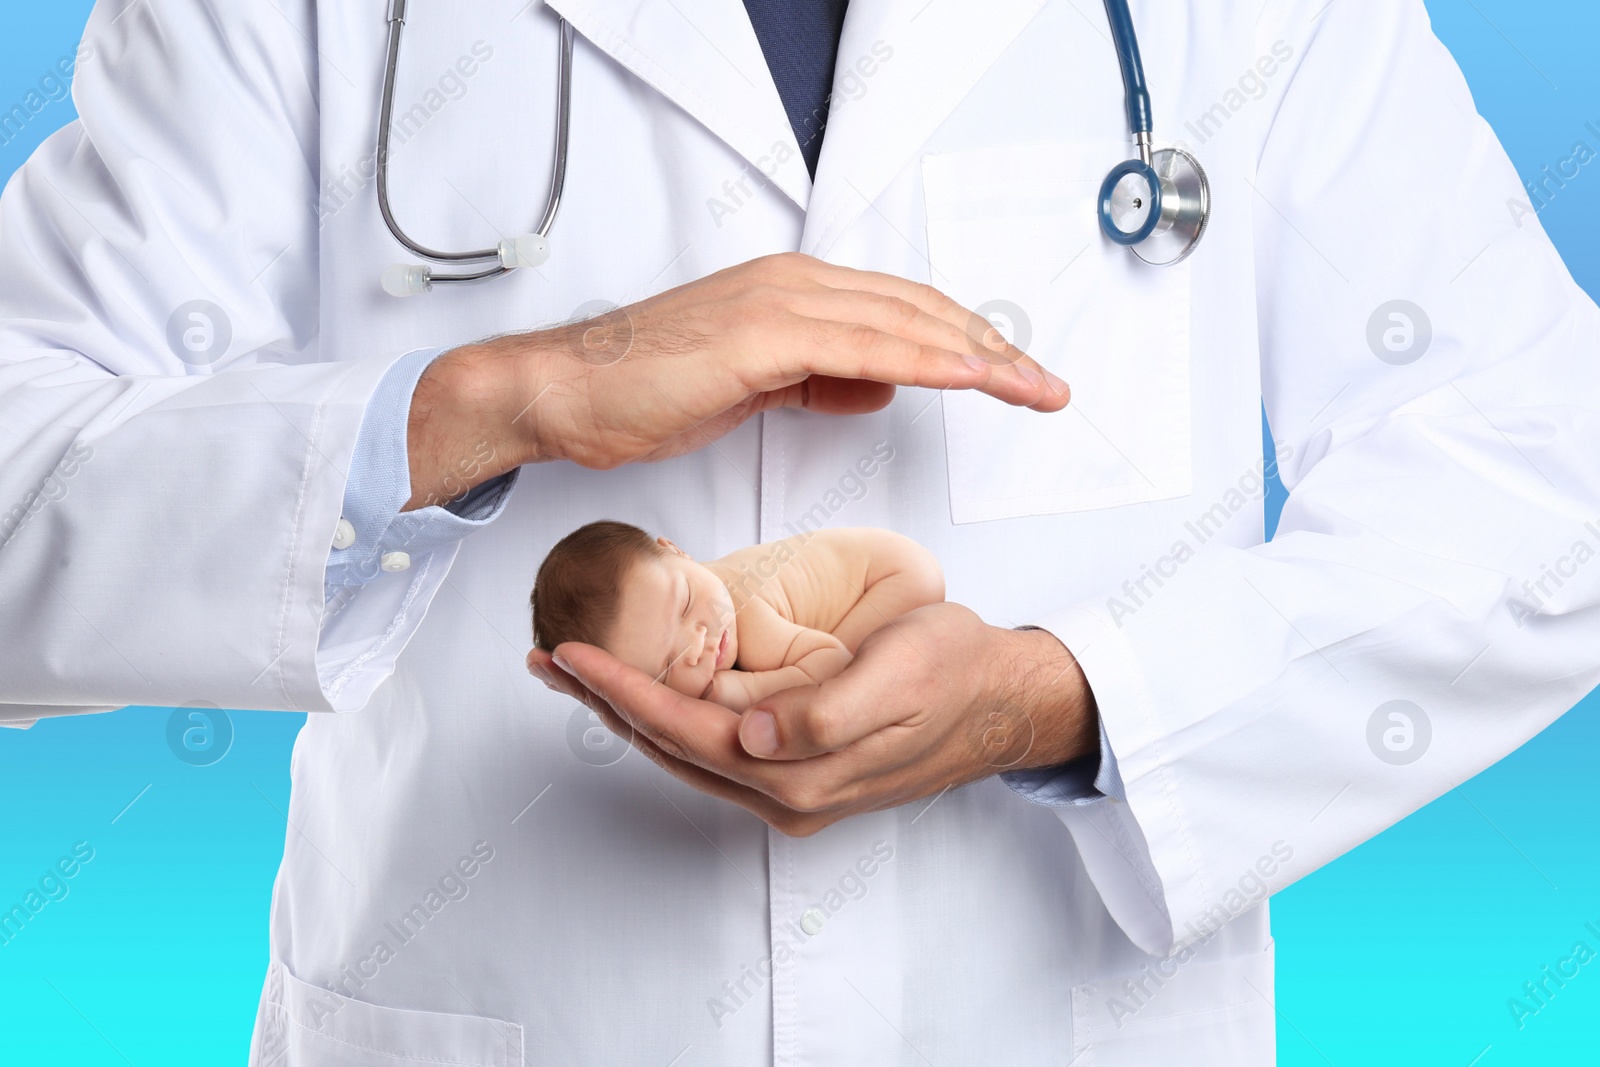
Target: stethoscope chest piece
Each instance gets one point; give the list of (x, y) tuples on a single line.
[(1158, 210)]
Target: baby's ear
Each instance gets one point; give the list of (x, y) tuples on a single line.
[(664, 543)]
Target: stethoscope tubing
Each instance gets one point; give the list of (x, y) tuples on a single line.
[(396, 21), (1137, 101), (1126, 41)]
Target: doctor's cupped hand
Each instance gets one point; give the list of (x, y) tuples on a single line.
[(933, 699), (672, 373)]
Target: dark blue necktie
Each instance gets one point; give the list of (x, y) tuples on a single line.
[(800, 39)]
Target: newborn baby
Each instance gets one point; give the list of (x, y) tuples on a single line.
[(736, 629)]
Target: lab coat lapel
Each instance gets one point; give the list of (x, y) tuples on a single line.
[(702, 55), (878, 121)]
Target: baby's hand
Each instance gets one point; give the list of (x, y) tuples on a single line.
[(729, 689)]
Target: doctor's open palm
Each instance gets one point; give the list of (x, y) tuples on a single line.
[(675, 372)]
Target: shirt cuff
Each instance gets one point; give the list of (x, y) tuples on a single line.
[(379, 536), (1084, 780)]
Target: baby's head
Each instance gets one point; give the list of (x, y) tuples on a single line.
[(641, 599)]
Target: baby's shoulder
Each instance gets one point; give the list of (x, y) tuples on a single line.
[(795, 573)]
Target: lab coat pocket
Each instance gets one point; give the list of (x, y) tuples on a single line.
[(1013, 234), (1210, 1012), (302, 1025)]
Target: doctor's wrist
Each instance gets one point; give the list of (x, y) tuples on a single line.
[(474, 417), (1038, 680)]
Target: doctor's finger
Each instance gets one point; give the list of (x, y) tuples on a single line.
[(978, 329), (695, 730), (854, 350), (698, 742), (886, 312), (704, 735), (1018, 377), (542, 666), (811, 721), (569, 684), (926, 297), (758, 803)]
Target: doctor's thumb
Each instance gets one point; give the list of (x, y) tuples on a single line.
[(758, 733), (798, 724)]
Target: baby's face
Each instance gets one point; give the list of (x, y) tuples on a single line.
[(675, 622)]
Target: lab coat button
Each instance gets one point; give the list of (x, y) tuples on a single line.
[(812, 920), (344, 535), (394, 562)]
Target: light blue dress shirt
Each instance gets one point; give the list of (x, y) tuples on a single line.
[(1085, 780), (380, 483)]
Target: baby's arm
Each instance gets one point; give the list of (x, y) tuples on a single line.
[(901, 575), (775, 654)]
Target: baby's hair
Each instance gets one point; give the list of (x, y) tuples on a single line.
[(579, 586)]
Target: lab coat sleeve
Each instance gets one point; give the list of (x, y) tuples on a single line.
[(1080, 781), (173, 442), (1431, 599), (380, 484)]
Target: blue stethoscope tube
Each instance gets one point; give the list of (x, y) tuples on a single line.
[(1180, 205), (1127, 45)]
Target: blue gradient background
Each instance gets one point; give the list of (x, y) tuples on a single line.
[(1405, 951)]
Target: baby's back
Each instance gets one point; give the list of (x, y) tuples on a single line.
[(815, 580)]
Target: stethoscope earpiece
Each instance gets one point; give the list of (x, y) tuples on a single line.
[(406, 279), (528, 250)]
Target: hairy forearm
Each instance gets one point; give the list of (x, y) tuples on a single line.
[(1036, 675), (472, 418)]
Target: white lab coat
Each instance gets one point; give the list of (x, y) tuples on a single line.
[(612, 915)]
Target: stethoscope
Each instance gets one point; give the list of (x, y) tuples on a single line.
[(1156, 205), (524, 250)]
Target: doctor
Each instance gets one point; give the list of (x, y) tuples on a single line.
[(271, 484)]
